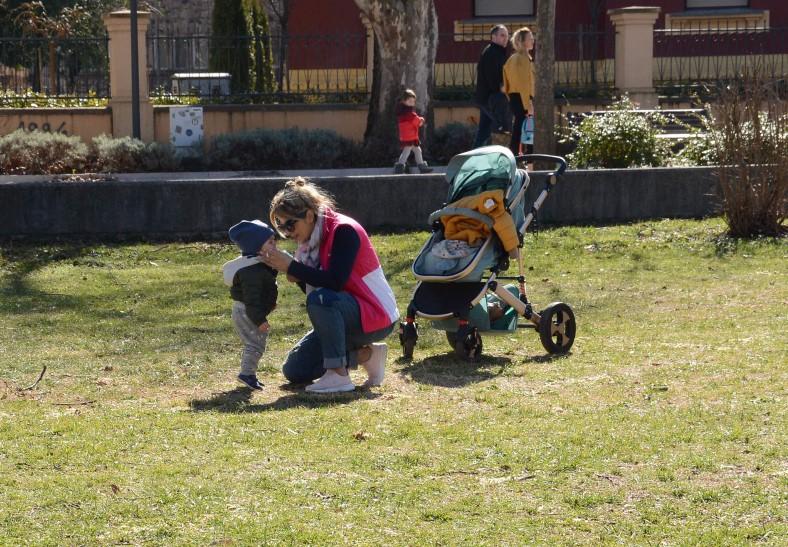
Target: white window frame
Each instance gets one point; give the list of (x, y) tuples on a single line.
[(712, 4), (504, 8)]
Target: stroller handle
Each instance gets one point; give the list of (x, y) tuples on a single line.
[(528, 158)]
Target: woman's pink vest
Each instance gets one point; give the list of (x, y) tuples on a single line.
[(366, 284)]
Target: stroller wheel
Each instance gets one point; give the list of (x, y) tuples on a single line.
[(467, 343), (408, 335), (451, 338), (557, 328)]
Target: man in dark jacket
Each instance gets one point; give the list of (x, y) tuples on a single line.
[(489, 81)]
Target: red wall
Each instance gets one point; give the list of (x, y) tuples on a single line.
[(341, 19), (341, 16)]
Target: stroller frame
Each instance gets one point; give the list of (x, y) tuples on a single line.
[(555, 324)]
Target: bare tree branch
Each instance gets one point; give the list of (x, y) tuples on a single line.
[(34, 384)]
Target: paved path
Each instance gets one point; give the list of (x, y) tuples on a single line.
[(214, 175)]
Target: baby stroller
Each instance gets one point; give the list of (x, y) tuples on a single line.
[(480, 226)]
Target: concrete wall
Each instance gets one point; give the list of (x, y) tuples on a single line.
[(348, 120), (206, 208)]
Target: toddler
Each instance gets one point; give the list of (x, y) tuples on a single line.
[(409, 123), (253, 289)]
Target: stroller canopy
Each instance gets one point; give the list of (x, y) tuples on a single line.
[(479, 170)]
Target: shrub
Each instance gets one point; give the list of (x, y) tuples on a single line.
[(41, 153), (450, 140), (160, 157), (129, 155), (269, 149), (619, 138), (122, 155), (751, 139)]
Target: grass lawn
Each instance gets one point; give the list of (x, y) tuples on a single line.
[(665, 425)]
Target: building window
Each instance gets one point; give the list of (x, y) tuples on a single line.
[(499, 8), (716, 3)]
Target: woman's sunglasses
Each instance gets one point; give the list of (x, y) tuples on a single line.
[(289, 224)]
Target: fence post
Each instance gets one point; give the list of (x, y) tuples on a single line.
[(635, 52), (118, 25)]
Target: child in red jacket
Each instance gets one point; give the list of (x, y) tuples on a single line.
[(409, 123)]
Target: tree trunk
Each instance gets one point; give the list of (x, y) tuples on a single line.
[(544, 102), (406, 40)]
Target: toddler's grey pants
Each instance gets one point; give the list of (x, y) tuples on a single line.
[(253, 339), (406, 153)]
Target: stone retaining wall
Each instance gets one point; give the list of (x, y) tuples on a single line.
[(204, 209)]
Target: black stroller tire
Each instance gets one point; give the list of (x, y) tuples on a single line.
[(408, 335), (407, 349), (467, 343), (557, 328), (451, 338)]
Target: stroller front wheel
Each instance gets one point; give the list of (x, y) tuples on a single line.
[(467, 343), (408, 335), (557, 328)]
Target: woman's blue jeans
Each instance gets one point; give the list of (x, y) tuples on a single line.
[(335, 337)]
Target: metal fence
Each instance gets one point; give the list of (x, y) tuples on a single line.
[(232, 69), (584, 63), (699, 61), (337, 67), (72, 69), (315, 68)]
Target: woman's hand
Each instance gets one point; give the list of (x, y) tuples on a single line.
[(278, 260)]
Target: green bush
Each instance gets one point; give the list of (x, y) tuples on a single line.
[(267, 149), (41, 153), (450, 140), (129, 155), (619, 138)]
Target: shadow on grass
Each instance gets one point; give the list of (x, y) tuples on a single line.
[(21, 262), (239, 399), (547, 357), (447, 371)]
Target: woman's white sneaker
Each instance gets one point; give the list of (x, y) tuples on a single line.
[(331, 382), (375, 365)]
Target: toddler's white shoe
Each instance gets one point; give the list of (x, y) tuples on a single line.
[(375, 365), (331, 382)]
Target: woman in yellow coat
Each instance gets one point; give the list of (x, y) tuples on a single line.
[(518, 83)]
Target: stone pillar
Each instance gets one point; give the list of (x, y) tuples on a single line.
[(118, 25), (635, 52)]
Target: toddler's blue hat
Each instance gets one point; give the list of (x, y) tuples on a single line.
[(250, 235)]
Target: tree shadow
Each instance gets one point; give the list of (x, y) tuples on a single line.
[(447, 370), (238, 400), (21, 262)]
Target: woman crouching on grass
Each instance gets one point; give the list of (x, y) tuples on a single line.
[(349, 302)]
